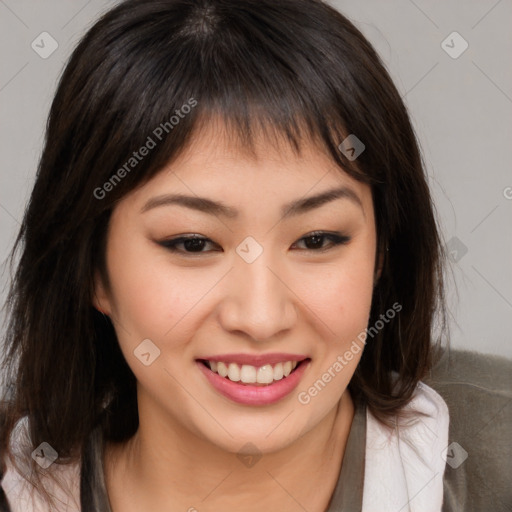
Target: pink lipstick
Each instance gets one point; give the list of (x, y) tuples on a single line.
[(255, 393)]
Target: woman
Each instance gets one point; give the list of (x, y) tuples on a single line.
[(230, 270)]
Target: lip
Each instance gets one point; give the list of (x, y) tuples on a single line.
[(255, 360), (248, 394)]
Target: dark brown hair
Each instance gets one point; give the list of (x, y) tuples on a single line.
[(295, 68)]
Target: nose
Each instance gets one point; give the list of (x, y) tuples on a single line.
[(258, 301)]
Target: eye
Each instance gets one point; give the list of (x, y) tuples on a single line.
[(314, 241), (191, 244), (195, 244)]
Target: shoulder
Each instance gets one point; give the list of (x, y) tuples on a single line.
[(477, 389), (61, 481)]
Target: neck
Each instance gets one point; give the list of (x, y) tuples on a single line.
[(180, 471)]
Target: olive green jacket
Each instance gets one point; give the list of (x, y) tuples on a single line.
[(478, 391)]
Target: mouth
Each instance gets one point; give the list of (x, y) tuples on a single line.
[(254, 385), (246, 374)]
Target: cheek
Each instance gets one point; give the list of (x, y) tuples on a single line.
[(344, 307), (341, 294), (150, 296), (348, 307)]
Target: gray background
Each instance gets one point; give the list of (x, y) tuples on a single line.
[(461, 109)]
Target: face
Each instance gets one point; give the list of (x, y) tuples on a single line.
[(256, 278)]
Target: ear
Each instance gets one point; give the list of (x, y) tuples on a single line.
[(378, 267), (100, 299)]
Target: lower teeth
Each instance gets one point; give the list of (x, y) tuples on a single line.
[(255, 383)]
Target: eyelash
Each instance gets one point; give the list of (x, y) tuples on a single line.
[(335, 238)]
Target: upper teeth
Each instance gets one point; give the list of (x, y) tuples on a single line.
[(249, 374)]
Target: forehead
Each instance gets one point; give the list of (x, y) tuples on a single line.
[(217, 163)]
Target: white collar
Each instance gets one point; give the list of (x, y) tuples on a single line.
[(404, 467)]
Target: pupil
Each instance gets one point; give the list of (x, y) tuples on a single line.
[(316, 239), (194, 245)]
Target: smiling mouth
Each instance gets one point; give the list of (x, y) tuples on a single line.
[(251, 375)]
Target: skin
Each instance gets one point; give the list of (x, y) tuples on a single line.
[(290, 299)]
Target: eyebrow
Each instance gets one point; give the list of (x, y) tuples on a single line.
[(297, 207)]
